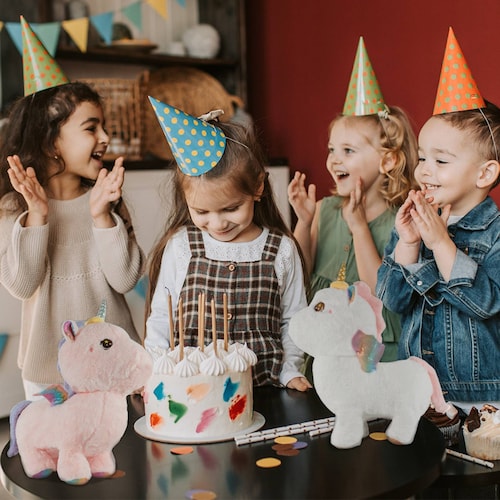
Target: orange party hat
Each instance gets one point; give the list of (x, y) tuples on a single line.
[(457, 90), (363, 95), (39, 68)]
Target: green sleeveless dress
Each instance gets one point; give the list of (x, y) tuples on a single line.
[(335, 259)]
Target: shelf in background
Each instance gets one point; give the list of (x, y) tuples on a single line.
[(110, 55)]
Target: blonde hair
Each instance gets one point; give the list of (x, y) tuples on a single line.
[(395, 136)]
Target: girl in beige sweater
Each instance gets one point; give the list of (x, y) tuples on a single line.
[(66, 240)]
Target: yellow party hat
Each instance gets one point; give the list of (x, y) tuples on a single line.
[(363, 95), (457, 90), (39, 68)]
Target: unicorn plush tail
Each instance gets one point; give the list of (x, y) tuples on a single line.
[(14, 415), (437, 398)]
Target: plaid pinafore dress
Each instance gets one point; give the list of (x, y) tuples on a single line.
[(254, 303)]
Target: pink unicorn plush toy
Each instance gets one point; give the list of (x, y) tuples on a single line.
[(74, 433)]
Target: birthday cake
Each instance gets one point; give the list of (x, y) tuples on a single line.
[(482, 432), (200, 392)]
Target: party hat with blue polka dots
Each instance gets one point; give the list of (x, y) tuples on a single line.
[(197, 146), (363, 95), (457, 90), (40, 71)]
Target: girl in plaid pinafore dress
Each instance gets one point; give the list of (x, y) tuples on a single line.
[(226, 236), (254, 303)]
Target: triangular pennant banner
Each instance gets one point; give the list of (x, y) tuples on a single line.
[(1, 25), (182, 3), (14, 31), (48, 33), (160, 6), (133, 13), (103, 23), (78, 30)]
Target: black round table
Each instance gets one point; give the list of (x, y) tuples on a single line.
[(457, 473), (147, 469)]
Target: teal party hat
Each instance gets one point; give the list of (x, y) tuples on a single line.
[(197, 146)]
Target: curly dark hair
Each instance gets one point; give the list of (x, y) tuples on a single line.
[(33, 126)]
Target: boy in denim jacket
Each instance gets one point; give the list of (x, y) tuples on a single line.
[(441, 268)]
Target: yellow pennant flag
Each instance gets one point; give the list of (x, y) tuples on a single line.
[(1, 25), (78, 30), (160, 6)]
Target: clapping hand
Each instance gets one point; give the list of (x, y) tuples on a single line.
[(25, 182)]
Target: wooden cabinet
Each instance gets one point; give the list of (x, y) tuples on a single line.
[(167, 77), (229, 67)]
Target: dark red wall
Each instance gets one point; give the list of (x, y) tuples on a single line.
[(300, 57)]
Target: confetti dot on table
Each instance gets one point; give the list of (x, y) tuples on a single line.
[(267, 463), (182, 450), (378, 436), (118, 474), (281, 447), (285, 440), (299, 445), (201, 495), (290, 452)]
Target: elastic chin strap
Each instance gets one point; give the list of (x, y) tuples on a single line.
[(491, 133)]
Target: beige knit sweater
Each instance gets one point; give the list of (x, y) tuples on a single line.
[(63, 270)]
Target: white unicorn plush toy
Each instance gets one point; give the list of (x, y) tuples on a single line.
[(342, 329)]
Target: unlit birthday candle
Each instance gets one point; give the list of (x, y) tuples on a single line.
[(224, 299), (287, 430), (181, 329), (214, 325), (201, 321), (469, 458), (170, 320)]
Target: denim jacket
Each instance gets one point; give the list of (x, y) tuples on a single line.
[(454, 325)]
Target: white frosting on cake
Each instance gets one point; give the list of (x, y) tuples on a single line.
[(163, 364), (213, 366), (204, 394)]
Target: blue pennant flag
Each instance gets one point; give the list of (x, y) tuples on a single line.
[(103, 23)]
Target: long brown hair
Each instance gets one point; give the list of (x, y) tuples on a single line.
[(242, 165)]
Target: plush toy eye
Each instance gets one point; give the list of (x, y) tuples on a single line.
[(319, 306), (106, 343)]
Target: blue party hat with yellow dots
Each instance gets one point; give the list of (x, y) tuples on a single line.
[(197, 146)]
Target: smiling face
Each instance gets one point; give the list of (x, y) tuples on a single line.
[(220, 210), (82, 142), (352, 154), (449, 167)]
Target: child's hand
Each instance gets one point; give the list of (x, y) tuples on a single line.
[(107, 189), (408, 231), (303, 201), (430, 224), (354, 212), (299, 384), (24, 181)]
